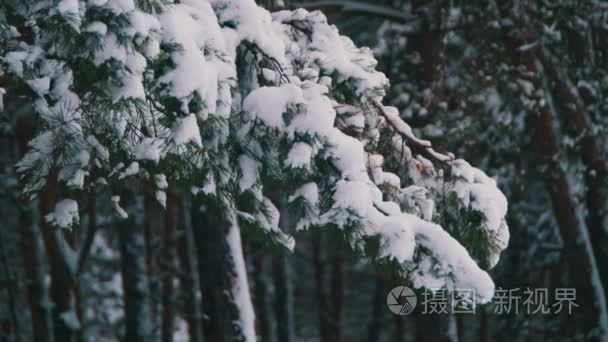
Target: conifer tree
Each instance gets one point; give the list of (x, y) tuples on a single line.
[(274, 122)]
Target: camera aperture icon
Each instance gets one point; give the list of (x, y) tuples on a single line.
[(401, 300)]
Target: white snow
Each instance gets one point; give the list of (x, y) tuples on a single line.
[(161, 197), (253, 24), (181, 331), (120, 6), (269, 103), (185, 130), (131, 170), (300, 156), (119, 210), (308, 191), (250, 172), (381, 177), (269, 75), (68, 7), (70, 319), (65, 213), (2, 93), (148, 149), (240, 287), (97, 27), (193, 25), (479, 192), (40, 85), (161, 181), (100, 150), (418, 198)]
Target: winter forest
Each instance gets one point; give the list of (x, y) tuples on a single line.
[(321, 170)]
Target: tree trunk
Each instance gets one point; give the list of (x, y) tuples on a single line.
[(378, 307), (459, 325), (318, 263), (85, 249), (12, 326), (283, 277), (223, 278), (138, 321), (400, 329), (435, 328), (189, 274), (577, 245), (593, 157), (261, 295), (62, 283), (37, 286), (169, 267), (284, 297), (241, 295), (483, 325), (337, 289), (427, 43), (153, 229), (33, 252)]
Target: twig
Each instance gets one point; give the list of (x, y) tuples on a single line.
[(422, 147)]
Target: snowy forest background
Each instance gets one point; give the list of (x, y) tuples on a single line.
[(205, 170)]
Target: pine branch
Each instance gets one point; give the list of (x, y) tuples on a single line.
[(422, 147)]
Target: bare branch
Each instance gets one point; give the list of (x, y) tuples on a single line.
[(388, 13)]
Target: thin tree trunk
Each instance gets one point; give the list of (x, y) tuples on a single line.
[(483, 325), (169, 258), (62, 284), (85, 249), (451, 334), (435, 327), (584, 270), (261, 295), (138, 322), (223, 278), (33, 252), (378, 307), (318, 263), (240, 291), (38, 288), (427, 43), (400, 329), (283, 278), (190, 277), (13, 332), (284, 298), (8, 253), (337, 290), (460, 326), (593, 157), (152, 231)]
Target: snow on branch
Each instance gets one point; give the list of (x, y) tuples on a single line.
[(236, 104), (405, 131)]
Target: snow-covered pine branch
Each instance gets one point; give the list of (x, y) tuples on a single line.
[(238, 104)]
